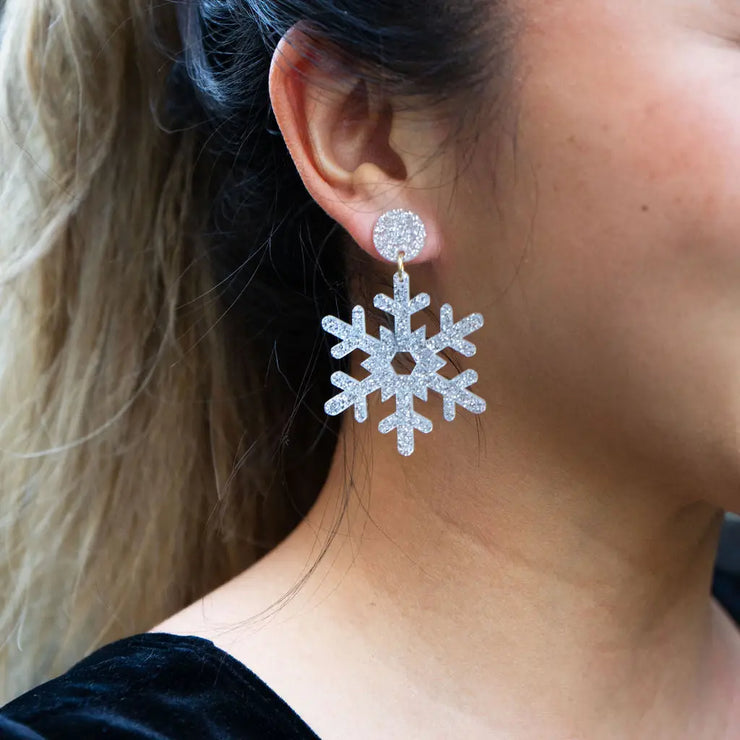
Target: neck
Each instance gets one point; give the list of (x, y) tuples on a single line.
[(522, 573)]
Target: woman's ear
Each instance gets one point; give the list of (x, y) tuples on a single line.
[(357, 157)]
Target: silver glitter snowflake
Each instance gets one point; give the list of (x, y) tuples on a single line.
[(404, 387)]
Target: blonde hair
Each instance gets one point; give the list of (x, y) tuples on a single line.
[(124, 419), (163, 274)]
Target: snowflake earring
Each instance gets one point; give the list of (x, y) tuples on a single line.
[(400, 236)]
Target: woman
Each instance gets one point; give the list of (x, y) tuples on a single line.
[(185, 202)]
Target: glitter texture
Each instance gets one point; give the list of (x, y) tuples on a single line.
[(399, 231), (383, 376)]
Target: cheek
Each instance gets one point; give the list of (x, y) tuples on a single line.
[(639, 199), (631, 288)]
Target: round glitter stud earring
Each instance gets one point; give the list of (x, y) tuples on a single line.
[(400, 237)]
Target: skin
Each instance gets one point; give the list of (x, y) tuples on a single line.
[(546, 572)]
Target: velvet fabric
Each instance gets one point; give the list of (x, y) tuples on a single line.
[(154, 686), (157, 686)]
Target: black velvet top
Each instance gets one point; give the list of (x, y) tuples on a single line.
[(159, 687), (151, 687)]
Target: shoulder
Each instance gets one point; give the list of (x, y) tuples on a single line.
[(153, 685)]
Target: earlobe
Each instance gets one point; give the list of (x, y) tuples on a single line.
[(340, 140)]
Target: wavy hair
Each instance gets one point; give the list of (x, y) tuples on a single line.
[(162, 276)]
